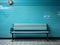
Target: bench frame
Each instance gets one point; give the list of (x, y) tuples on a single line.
[(12, 29)]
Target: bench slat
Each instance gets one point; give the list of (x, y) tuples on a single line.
[(29, 32), (30, 27)]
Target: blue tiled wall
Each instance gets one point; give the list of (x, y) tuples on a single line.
[(30, 11)]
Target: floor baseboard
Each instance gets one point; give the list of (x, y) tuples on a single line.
[(31, 38)]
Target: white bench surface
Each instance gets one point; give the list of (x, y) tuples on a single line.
[(30, 26), (29, 32)]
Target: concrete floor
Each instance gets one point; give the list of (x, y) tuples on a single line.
[(29, 42)]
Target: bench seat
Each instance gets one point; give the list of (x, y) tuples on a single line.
[(29, 32)]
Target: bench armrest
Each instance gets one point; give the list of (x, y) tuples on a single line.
[(11, 29)]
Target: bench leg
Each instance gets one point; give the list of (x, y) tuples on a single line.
[(12, 36), (47, 36)]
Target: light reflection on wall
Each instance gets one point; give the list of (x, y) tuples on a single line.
[(51, 15), (4, 7)]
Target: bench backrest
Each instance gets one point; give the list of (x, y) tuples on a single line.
[(30, 26)]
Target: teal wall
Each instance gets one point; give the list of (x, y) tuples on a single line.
[(32, 12)]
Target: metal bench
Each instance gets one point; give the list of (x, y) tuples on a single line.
[(29, 29)]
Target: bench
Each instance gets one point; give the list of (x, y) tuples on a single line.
[(29, 29)]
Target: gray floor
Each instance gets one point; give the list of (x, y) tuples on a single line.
[(29, 42)]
